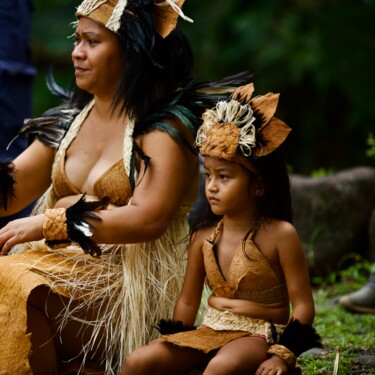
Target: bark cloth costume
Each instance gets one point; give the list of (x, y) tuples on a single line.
[(130, 286), (240, 130)]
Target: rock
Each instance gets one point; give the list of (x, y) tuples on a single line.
[(332, 215)]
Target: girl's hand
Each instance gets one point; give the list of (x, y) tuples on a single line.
[(272, 366), (20, 231)]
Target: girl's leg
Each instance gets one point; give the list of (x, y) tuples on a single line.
[(161, 357), (240, 357)]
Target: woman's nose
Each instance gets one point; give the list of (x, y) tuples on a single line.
[(78, 52)]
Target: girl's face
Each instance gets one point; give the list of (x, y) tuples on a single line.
[(97, 58), (230, 188)]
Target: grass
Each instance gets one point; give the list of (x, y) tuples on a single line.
[(346, 336)]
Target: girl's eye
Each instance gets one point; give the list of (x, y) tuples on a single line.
[(224, 177), (207, 175)]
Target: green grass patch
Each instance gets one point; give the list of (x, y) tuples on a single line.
[(347, 337)]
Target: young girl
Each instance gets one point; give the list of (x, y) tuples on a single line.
[(251, 257)]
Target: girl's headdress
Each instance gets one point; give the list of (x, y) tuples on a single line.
[(135, 21), (242, 129)]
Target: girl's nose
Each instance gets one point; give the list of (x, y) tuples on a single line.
[(211, 185)]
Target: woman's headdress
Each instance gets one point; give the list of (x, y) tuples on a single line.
[(136, 21), (242, 129)]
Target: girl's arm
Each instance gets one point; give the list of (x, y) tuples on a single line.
[(187, 305), (294, 266), (32, 174)]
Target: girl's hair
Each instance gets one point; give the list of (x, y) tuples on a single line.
[(275, 202), (145, 84)]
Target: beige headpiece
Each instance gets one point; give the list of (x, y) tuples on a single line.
[(242, 128), (109, 12)]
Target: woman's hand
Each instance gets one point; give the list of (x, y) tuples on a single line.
[(20, 231), (272, 366)]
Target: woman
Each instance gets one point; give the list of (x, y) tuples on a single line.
[(125, 153)]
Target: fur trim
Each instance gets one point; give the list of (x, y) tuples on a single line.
[(7, 182)]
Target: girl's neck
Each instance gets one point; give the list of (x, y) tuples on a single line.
[(239, 225)]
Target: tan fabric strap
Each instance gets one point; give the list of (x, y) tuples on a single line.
[(226, 320), (284, 353)]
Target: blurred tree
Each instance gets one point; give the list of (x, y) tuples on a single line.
[(318, 54)]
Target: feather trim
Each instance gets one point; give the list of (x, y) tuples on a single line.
[(299, 337), (169, 326), (7, 183), (79, 229)]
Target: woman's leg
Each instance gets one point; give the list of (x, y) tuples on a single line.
[(161, 357), (50, 345), (241, 356)]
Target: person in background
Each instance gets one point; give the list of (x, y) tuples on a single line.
[(362, 300), (16, 78), (246, 250), (113, 168)]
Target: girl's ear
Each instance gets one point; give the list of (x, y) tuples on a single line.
[(259, 187)]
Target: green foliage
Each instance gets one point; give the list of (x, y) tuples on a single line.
[(317, 53), (370, 152), (348, 333)]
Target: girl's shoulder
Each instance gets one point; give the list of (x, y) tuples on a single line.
[(201, 235), (276, 232)]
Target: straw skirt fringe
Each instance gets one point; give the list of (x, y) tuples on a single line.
[(130, 286)]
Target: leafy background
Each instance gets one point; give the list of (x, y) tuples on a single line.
[(319, 54)]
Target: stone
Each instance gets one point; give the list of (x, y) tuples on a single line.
[(332, 216)]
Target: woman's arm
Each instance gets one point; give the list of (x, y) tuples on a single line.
[(32, 175), (157, 196), (188, 302)]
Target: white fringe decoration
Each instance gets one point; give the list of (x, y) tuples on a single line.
[(114, 21), (230, 112), (176, 8), (128, 145)]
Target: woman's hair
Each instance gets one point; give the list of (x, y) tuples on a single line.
[(147, 82), (275, 202)]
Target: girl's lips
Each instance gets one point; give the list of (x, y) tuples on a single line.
[(213, 200)]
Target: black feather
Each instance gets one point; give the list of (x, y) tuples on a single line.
[(299, 337), (7, 183), (55, 89), (168, 326), (76, 216)]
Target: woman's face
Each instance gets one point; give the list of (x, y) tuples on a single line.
[(97, 59)]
